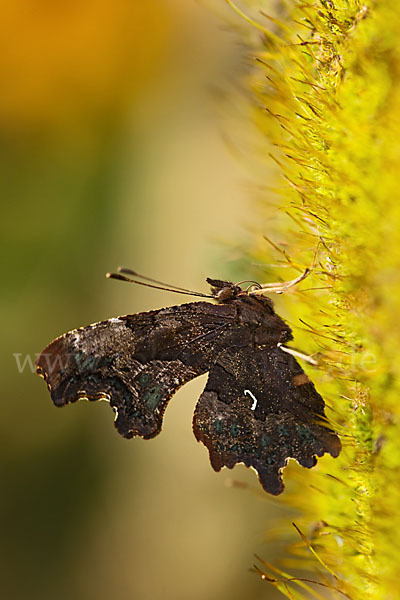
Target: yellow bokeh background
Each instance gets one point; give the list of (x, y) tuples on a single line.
[(113, 139)]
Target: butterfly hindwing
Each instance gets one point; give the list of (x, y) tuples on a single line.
[(137, 362), (259, 408)]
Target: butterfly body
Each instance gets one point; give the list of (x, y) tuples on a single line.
[(258, 407)]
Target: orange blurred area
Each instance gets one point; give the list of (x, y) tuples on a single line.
[(116, 129), (64, 62)]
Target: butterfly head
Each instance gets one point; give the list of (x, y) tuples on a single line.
[(224, 291)]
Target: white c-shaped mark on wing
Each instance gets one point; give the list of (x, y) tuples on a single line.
[(253, 406)]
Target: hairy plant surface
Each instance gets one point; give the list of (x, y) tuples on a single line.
[(327, 96)]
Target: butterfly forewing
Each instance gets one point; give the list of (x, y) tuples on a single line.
[(137, 362)]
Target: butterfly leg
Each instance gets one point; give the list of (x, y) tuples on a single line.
[(279, 288), (306, 357)]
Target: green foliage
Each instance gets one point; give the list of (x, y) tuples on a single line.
[(328, 98)]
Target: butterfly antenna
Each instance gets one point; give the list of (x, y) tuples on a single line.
[(157, 287), (168, 285)]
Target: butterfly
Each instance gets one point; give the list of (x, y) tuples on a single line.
[(258, 407)]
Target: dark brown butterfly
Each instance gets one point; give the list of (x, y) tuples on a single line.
[(258, 407)]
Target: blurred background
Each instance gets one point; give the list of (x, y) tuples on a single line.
[(115, 146)]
